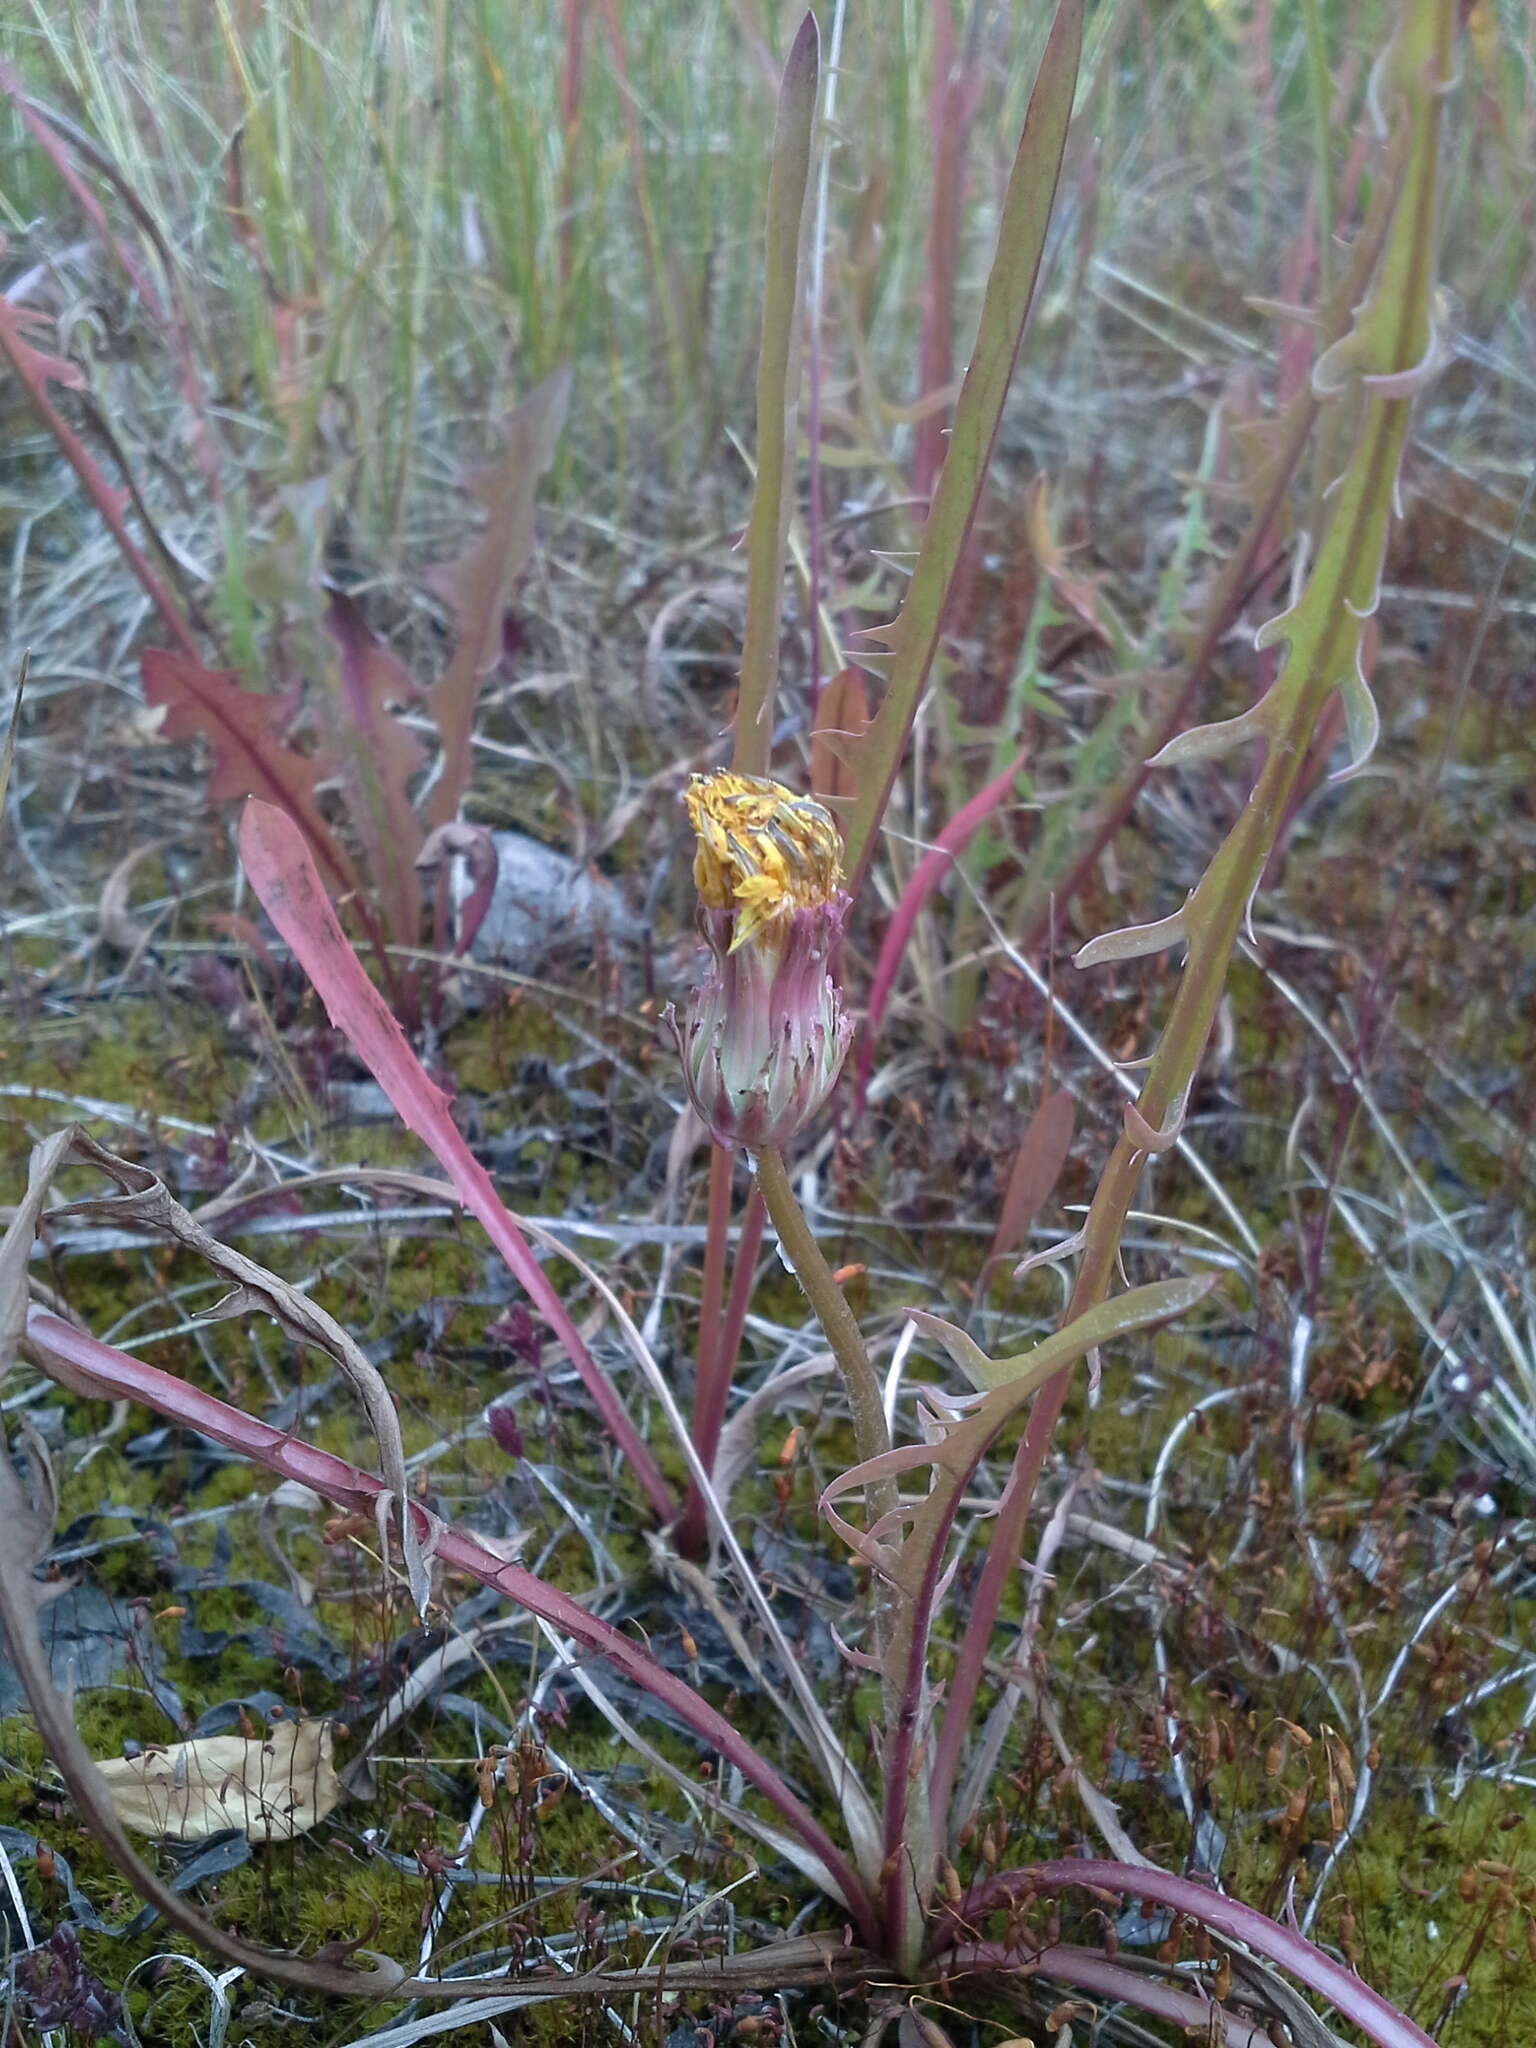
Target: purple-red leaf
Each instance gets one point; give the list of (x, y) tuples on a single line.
[(1036, 1170), (283, 876), (1348, 1994), (926, 876), (99, 1371), (250, 755), (477, 583)]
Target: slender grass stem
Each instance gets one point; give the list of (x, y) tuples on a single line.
[(902, 1883), (837, 1319)]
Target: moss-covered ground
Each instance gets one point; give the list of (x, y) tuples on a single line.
[(1206, 1683)]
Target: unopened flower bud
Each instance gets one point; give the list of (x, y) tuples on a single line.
[(765, 1034)]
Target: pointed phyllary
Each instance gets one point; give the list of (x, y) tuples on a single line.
[(765, 1033)]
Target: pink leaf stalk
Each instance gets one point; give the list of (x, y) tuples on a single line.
[(1364, 2008), (100, 1372), (946, 850), (952, 105), (283, 876), (1090, 1970)]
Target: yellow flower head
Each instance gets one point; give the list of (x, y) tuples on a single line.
[(765, 1032), (763, 851)]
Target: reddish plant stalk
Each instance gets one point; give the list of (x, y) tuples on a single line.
[(1302, 1959), (946, 850), (284, 878), (97, 1370), (712, 1376), (1090, 1970), (951, 107)]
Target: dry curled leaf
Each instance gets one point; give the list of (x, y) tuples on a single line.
[(272, 1788), (114, 919)]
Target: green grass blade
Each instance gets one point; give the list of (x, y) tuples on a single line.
[(914, 637)]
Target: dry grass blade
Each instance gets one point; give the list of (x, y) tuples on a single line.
[(146, 1202), (37, 369), (799, 1704), (12, 728), (113, 917), (24, 1538), (16, 1248)]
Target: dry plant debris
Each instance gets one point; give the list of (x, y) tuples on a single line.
[(271, 1787)]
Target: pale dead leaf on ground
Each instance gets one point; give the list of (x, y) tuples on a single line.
[(114, 919), (272, 1788)]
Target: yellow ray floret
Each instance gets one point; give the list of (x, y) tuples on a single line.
[(763, 851)]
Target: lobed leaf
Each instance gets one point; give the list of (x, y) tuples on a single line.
[(251, 757), (476, 583)]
